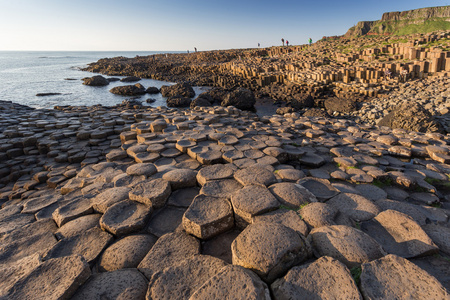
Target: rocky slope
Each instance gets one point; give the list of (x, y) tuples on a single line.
[(392, 22)]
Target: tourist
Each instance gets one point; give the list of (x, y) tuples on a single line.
[(310, 41), (387, 74), (282, 41), (287, 43), (195, 48), (258, 45)]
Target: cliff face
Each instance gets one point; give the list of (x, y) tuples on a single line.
[(393, 22), (422, 13)]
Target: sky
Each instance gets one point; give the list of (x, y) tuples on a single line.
[(180, 25)]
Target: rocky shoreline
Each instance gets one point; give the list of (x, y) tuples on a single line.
[(208, 202)]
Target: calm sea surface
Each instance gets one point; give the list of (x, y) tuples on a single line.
[(24, 74)]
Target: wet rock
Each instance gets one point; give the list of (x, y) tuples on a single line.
[(208, 216), (269, 249), (120, 284), (393, 277), (233, 280), (350, 246), (325, 278), (130, 79), (128, 90), (97, 80)]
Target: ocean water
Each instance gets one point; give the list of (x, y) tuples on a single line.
[(23, 74)]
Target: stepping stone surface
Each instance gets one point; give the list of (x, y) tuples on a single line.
[(208, 216), (170, 249), (152, 193), (120, 284), (78, 225), (57, 278), (88, 244), (125, 217), (233, 280), (269, 249), (252, 200), (393, 277), (166, 220), (184, 278), (125, 253), (355, 206), (325, 278), (292, 195), (319, 214), (255, 176), (286, 217), (322, 189), (181, 178), (350, 246), (109, 197), (399, 234)]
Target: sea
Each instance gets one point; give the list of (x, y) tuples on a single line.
[(23, 74)]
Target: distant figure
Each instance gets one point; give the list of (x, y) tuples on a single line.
[(258, 45), (287, 43), (188, 51), (282, 41), (310, 41), (195, 49), (404, 74), (387, 74)]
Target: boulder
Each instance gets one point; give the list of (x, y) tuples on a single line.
[(179, 89), (128, 90), (269, 249), (240, 98), (301, 101), (130, 79), (178, 101), (200, 101), (393, 277), (340, 105), (316, 112), (152, 90), (411, 116), (325, 278), (346, 244), (97, 80)]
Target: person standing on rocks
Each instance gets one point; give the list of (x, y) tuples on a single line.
[(258, 45), (404, 74), (282, 41), (195, 48), (287, 43), (387, 74), (310, 41)]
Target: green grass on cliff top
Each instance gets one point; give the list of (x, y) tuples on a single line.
[(425, 27)]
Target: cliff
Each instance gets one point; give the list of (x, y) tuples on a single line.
[(421, 20)]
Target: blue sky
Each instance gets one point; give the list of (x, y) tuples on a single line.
[(179, 25)]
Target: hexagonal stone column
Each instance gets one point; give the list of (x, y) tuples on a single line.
[(269, 249), (208, 216), (154, 192)]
